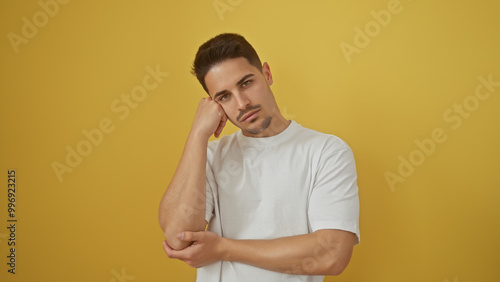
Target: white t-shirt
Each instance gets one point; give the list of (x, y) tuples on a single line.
[(296, 182)]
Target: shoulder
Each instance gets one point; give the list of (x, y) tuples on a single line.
[(222, 144), (326, 142)]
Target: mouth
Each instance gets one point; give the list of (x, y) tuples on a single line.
[(250, 116)]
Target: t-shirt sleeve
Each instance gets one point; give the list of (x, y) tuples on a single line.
[(209, 188), (209, 212), (334, 202)]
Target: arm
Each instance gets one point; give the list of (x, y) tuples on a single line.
[(324, 252), (182, 206)]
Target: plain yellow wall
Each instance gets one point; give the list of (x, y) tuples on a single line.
[(406, 92)]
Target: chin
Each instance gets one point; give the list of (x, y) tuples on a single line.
[(263, 126)]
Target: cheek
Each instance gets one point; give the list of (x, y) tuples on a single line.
[(262, 96), (229, 112)]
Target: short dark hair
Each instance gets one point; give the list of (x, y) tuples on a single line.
[(222, 47)]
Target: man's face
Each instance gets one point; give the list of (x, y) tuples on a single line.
[(244, 94)]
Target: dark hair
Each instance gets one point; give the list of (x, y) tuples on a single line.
[(222, 47)]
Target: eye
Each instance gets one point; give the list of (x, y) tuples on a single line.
[(223, 97), (246, 83)]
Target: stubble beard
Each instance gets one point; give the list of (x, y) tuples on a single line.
[(263, 126)]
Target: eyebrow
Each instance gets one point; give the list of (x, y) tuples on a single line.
[(236, 84)]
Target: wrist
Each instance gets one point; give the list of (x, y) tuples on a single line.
[(225, 249), (199, 135)]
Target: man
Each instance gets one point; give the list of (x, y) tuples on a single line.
[(280, 200)]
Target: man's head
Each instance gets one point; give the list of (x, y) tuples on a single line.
[(222, 47), (231, 73)]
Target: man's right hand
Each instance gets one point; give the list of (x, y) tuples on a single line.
[(210, 118)]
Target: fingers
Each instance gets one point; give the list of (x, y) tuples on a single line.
[(210, 118), (221, 126), (222, 121), (196, 254), (173, 254), (166, 247), (189, 236), (169, 251)]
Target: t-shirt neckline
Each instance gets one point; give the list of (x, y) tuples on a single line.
[(248, 141)]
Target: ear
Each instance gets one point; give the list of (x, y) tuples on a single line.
[(266, 71)]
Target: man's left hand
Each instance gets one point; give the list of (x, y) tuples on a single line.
[(207, 248)]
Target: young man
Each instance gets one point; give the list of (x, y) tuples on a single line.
[(280, 200)]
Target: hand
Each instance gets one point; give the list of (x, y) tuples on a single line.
[(210, 118), (207, 248)]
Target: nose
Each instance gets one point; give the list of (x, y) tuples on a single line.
[(242, 101)]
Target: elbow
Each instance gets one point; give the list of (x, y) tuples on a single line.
[(336, 270), (339, 247), (172, 229), (337, 266), (171, 237), (173, 226), (176, 244)]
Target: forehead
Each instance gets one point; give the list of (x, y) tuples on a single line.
[(224, 75)]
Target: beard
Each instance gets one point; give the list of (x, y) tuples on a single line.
[(263, 126)]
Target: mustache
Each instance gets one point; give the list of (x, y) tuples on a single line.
[(248, 109)]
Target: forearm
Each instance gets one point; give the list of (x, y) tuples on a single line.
[(318, 253), (183, 204)]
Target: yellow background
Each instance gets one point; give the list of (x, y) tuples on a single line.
[(440, 224)]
